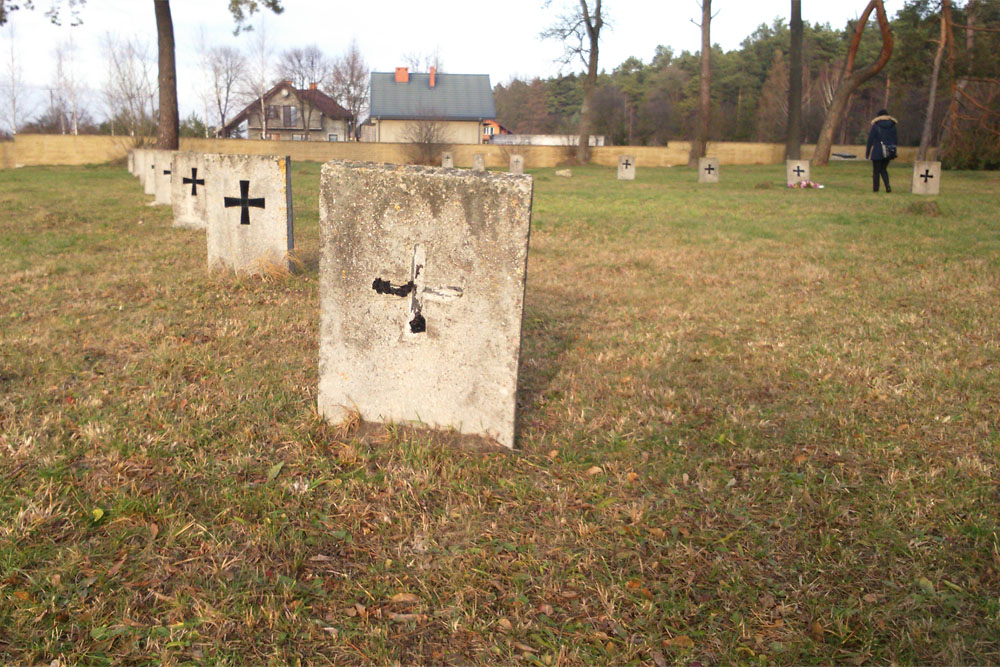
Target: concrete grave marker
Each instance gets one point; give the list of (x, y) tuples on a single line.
[(926, 178), (796, 171), (149, 172), (708, 170), (130, 161), (190, 193), (139, 165), (249, 212), (479, 162), (164, 178), (448, 160), (626, 167), (422, 275), (564, 173), (517, 164)]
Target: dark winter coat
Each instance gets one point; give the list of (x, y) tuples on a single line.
[(883, 132)]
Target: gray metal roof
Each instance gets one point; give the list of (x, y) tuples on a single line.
[(453, 97)]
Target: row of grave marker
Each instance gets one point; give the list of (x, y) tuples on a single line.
[(422, 275)]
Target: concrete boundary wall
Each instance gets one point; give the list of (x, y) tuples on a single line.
[(41, 149)]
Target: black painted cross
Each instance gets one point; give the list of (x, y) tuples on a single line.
[(417, 291), (244, 202), (799, 170), (626, 163), (166, 172), (194, 181), (709, 168), (926, 175)]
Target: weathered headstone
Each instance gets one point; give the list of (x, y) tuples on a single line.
[(926, 178), (796, 171), (149, 172), (422, 275), (139, 166), (164, 171), (448, 160), (479, 162), (626, 167), (249, 214), (708, 170), (130, 161), (564, 173), (517, 164), (190, 190)]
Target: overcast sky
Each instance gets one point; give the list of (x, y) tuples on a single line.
[(499, 39)]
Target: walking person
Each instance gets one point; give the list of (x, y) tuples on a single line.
[(881, 147)]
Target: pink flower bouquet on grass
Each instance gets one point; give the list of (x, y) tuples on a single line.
[(806, 185)]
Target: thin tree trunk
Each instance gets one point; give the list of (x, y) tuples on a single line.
[(700, 144), (169, 118), (925, 135), (793, 143), (593, 24), (850, 79)]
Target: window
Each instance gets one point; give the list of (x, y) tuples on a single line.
[(290, 116), (273, 113), (332, 137), (298, 137), (488, 129)]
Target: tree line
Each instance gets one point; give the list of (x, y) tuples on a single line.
[(650, 103)]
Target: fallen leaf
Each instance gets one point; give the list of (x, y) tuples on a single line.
[(680, 641), (632, 477), (319, 558), (524, 647), (154, 530), (505, 625), (553, 453), (569, 595), (658, 533), (275, 470), (926, 585), (546, 609), (23, 595), (871, 598), (632, 584), (816, 630), (333, 631), (595, 470), (98, 514), (404, 598), (116, 567), (405, 618), (658, 659), (801, 458)]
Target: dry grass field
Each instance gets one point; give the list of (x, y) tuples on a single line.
[(756, 425)]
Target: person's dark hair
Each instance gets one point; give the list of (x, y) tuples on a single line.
[(882, 112)]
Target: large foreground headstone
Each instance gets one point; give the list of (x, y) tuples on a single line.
[(708, 170), (249, 212), (164, 171), (926, 178), (626, 167), (190, 190), (447, 159), (421, 277), (479, 162), (517, 164), (796, 171)]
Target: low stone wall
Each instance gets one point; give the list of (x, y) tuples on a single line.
[(36, 149)]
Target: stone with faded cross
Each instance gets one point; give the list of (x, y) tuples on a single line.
[(796, 171), (926, 178), (190, 190), (422, 275), (164, 178), (249, 212), (517, 164), (447, 159), (708, 170), (479, 162), (626, 167)]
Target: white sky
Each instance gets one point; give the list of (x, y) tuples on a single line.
[(500, 39)]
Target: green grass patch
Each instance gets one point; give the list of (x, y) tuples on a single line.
[(756, 425)]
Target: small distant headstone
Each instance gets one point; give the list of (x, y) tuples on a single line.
[(130, 161), (926, 178), (796, 171), (448, 160), (164, 171), (565, 173), (517, 164), (190, 190), (139, 165), (149, 172), (249, 212), (422, 275), (708, 170), (626, 167), (479, 162)]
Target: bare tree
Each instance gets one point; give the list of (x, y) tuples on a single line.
[(580, 32), (14, 92), (304, 66), (793, 142), (925, 135), (222, 66), (700, 144), (258, 74), (426, 139), (418, 61), (851, 79), (350, 81), (67, 83), (129, 88)]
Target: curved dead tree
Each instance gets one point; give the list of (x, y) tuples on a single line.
[(851, 79)]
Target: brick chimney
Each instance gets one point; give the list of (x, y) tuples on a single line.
[(313, 86), (433, 74), (402, 75)]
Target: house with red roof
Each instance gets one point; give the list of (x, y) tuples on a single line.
[(296, 114)]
